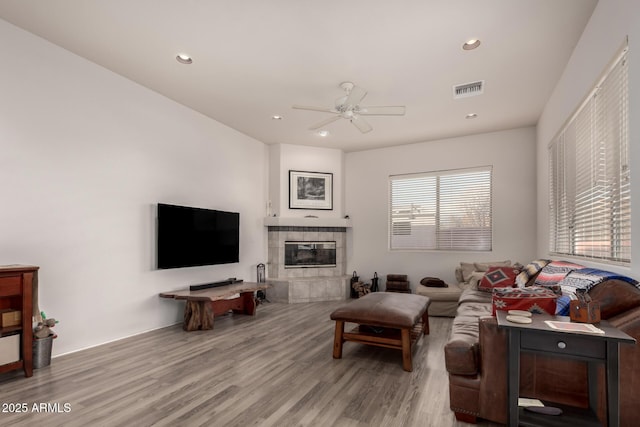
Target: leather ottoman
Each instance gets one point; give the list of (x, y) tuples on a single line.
[(385, 319)]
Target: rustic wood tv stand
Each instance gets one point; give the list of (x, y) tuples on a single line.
[(204, 304)]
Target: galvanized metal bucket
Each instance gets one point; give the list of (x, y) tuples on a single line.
[(42, 351)]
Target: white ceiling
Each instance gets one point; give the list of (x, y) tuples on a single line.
[(256, 58)]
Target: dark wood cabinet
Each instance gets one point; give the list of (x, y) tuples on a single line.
[(16, 293)]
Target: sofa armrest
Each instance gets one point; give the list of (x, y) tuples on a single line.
[(493, 369), (615, 297), (460, 356)]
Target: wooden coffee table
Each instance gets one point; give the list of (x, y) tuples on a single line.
[(202, 306), (385, 319)]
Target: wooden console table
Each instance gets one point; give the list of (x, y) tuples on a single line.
[(203, 305), (538, 337)]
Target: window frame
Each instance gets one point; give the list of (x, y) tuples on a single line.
[(589, 176), (444, 196)]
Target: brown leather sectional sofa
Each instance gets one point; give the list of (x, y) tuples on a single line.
[(476, 360)]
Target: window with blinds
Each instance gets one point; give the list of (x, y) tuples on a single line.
[(590, 197), (445, 210)]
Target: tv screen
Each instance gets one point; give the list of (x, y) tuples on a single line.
[(189, 237)]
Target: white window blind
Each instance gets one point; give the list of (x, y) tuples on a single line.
[(445, 210), (590, 198)]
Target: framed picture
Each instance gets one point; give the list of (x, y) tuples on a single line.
[(310, 190)]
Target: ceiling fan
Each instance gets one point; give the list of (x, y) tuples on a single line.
[(348, 107)]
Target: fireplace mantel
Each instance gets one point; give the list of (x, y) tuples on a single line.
[(306, 222)]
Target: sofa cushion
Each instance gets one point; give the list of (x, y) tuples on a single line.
[(498, 277), (484, 266), (474, 296), (466, 270), (529, 271), (555, 271), (473, 282), (450, 293), (535, 299)]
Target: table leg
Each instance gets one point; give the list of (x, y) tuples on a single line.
[(338, 340), (425, 323), (248, 303), (513, 377), (613, 386), (407, 364), (592, 384), (198, 315)]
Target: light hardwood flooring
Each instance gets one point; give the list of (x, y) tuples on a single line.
[(274, 369)]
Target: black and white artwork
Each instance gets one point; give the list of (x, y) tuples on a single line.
[(310, 190)]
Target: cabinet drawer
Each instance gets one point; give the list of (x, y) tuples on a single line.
[(571, 345), (10, 285)]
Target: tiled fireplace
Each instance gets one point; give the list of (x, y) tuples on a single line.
[(307, 264)]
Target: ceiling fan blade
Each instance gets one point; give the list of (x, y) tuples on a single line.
[(395, 110), (323, 109), (361, 124), (325, 122), (355, 96)]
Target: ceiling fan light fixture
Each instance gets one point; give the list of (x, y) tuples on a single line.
[(471, 44), (348, 107), (471, 116), (323, 133), (276, 117), (183, 58)]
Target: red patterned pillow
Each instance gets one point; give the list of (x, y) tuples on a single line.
[(498, 277), (535, 299)]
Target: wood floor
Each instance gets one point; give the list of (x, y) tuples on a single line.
[(274, 369)]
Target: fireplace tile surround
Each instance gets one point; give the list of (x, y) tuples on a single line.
[(306, 284)]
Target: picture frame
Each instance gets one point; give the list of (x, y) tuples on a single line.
[(310, 190)]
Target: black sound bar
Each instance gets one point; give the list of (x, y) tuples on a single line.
[(229, 281)]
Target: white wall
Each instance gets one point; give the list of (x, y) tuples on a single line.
[(286, 157), (84, 157), (512, 154), (612, 21)]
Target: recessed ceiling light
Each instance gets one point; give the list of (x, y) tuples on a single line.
[(184, 59), (323, 133), (471, 116), (276, 117), (471, 44)]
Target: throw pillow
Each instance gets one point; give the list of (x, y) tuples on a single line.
[(476, 277), (484, 266), (529, 271), (555, 271), (498, 277), (467, 269), (562, 305), (535, 299)]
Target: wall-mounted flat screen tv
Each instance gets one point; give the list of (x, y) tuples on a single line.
[(189, 237)]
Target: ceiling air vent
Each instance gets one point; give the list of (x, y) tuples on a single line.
[(468, 89)]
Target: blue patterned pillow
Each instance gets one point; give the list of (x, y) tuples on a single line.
[(562, 305)]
